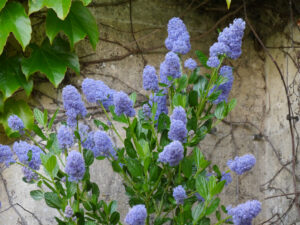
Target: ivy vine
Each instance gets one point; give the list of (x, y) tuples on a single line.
[(52, 58)]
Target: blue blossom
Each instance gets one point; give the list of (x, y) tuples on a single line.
[(170, 67), (75, 166), (65, 137), (83, 131), (6, 155), (243, 214), (172, 153), (227, 177), (15, 123), (226, 72), (22, 149), (123, 104), (232, 37), (89, 143), (213, 62), (68, 211), (161, 101), (150, 80), (147, 111), (29, 175), (179, 194), (179, 114), (97, 91), (73, 104), (190, 64), (242, 164), (136, 215), (218, 48), (199, 197), (103, 145), (178, 39), (178, 131)]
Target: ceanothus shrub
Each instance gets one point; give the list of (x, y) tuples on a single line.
[(165, 175)]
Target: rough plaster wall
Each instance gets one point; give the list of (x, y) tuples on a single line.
[(257, 87)]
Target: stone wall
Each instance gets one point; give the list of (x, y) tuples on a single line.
[(257, 125)]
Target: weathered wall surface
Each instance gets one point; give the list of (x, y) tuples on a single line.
[(257, 125)]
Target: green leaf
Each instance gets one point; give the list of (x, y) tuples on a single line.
[(13, 18), (187, 167), (114, 218), (2, 4), (88, 157), (129, 148), (12, 77), (132, 96), (86, 2), (51, 61), (134, 167), (38, 131), (71, 189), (231, 105), (61, 7), (193, 98), (202, 187), (182, 83), (220, 110), (99, 123), (19, 108), (51, 166), (218, 188), (39, 116), (77, 25), (52, 119), (52, 200), (228, 2), (197, 211), (37, 194), (213, 206), (202, 58)]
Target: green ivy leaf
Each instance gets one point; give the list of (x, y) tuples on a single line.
[(86, 2), (77, 25), (61, 7), (2, 4), (13, 18), (12, 78), (51, 61), (19, 108)]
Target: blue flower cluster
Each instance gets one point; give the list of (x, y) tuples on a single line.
[(73, 104), (6, 155), (178, 131), (229, 43), (103, 145), (137, 215), (226, 72), (178, 39), (97, 91), (68, 211), (190, 63), (179, 194), (227, 177), (172, 153), (15, 123), (22, 150), (123, 104), (161, 101), (170, 67), (243, 214), (75, 166), (242, 164), (179, 114), (65, 137), (150, 80)]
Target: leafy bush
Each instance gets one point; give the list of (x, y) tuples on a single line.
[(166, 176)]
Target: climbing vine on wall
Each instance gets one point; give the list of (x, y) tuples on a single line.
[(52, 58)]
